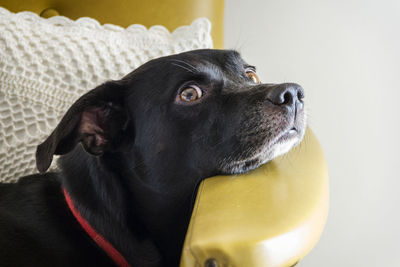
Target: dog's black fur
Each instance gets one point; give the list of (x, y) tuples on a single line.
[(143, 152)]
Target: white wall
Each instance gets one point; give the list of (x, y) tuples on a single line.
[(346, 54)]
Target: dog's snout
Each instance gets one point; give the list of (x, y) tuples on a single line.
[(285, 94)]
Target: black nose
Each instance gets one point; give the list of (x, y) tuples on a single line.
[(285, 94)]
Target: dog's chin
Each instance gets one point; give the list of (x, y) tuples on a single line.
[(283, 144), (286, 142)]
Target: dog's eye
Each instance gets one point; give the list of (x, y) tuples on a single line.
[(251, 73), (191, 93)]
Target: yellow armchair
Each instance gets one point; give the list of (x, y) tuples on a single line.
[(272, 216)]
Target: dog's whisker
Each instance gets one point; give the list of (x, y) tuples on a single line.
[(186, 63), (189, 70)]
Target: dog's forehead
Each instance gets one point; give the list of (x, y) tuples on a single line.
[(224, 60), (221, 66)]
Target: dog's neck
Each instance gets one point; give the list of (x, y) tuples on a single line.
[(136, 212)]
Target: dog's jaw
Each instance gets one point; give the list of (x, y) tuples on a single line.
[(281, 144), (267, 154)]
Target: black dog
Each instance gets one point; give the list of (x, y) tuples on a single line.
[(125, 195)]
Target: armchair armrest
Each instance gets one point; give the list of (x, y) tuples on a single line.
[(271, 216)]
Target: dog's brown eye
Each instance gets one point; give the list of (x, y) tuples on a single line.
[(252, 75), (191, 93)]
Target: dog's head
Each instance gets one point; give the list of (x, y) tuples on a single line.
[(202, 112)]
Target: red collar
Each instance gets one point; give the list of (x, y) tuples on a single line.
[(114, 254)]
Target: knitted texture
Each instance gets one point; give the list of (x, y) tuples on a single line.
[(46, 64)]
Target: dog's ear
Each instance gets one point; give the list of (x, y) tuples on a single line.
[(96, 119)]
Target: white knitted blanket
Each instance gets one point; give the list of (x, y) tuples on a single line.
[(46, 64)]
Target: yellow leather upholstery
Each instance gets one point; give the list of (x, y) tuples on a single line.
[(272, 216), (170, 13), (269, 217)]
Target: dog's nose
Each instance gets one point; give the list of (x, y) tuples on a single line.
[(285, 94)]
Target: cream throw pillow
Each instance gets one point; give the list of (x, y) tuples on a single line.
[(46, 64)]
